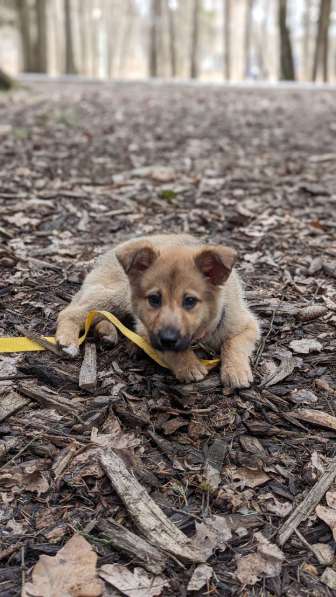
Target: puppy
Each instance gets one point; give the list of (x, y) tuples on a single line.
[(180, 292)]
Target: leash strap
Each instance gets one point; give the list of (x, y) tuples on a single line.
[(22, 344)]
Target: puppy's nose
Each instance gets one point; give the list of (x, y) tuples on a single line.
[(169, 338)]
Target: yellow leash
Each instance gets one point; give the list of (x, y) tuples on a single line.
[(22, 344)]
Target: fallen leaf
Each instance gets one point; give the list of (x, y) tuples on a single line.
[(118, 441), (72, 572), (331, 499), (138, 583), (306, 345), (286, 367), (200, 577), (250, 477), (328, 516), (266, 562), (311, 312), (173, 425), (329, 578), (282, 509), (302, 397), (212, 534), (309, 569), (324, 553)]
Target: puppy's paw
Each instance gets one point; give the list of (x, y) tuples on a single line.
[(68, 345), (236, 375), (194, 371), (107, 333)]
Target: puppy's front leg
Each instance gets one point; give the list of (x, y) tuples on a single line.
[(235, 355), (185, 365)]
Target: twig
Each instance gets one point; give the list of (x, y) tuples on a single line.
[(311, 500)]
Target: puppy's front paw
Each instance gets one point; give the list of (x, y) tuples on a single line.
[(194, 371), (237, 375), (68, 344), (107, 333)]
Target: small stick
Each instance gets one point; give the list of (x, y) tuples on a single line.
[(310, 502), (88, 372)]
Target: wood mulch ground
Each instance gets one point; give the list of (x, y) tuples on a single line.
[(85, 166)]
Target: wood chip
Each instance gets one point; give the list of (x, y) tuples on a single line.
[(317, 417), (10, 403), (310, 502), (134, 546), (147, 515), (214, 464), (88, 372)]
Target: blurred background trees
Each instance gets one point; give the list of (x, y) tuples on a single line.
[(199, 39)]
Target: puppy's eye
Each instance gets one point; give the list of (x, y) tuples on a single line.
[(189, 302), (155, 300)]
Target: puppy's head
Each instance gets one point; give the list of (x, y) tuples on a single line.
[(175, 291)]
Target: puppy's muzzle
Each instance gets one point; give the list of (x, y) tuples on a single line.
[(169, 338)]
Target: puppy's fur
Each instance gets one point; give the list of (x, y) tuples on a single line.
[(179, 292)]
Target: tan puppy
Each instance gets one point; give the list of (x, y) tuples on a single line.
[(179, 292)]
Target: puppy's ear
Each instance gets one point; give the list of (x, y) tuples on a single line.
[(216, 263), (135, 258)]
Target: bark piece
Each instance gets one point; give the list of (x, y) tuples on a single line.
[(137, 548), (317, 417), (214, 463), (146, 514), (88, 372), (307, 505), (10, 403)]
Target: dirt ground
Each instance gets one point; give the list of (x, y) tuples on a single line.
[(86, 166)]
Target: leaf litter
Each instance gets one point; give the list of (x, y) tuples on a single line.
[(224, 468)]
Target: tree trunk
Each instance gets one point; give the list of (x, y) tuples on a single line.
[(172, 41), (287, 71), (306, 47), (24, 19), (70, 67), (155, 20), (227, 38), (248, 37), (322, 40), (42, 39), (194, 57)]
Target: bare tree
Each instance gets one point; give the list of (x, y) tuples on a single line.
[(70, 66), (194, 52), (25, 28), (227, 38), (306, 47), (41, 47), (287, 71), (154, 24), (248, 36), (172, 40), (322, 41)]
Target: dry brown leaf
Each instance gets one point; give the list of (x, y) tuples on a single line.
[(324, 553), (331, 499), (212, 534), (302, 397), (137, 583), (329, 578), (267, 561), (201, 576), (118, 441), (71, 573), (306, 345), (249, 477), (282, 509), (328, 516)]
